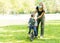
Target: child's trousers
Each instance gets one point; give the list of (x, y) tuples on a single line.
[(34, 28)]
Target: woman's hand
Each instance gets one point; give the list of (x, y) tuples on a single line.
[(41, 15), (38, 17)]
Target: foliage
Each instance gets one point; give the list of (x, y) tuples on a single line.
[(27, 6)]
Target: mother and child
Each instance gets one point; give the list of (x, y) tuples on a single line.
[(34, 22)]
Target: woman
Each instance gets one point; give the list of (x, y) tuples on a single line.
[(40, 18)]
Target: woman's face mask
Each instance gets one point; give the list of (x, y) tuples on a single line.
[(40, 8)]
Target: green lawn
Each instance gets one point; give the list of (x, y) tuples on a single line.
[(18, 33)]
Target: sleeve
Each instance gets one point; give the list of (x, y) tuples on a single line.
[(29, 21), (37, 8), (34, 20)]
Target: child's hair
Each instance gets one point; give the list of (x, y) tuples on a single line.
[(32, 15)]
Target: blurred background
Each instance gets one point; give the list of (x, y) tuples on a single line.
[(27, 6), (14, 17)]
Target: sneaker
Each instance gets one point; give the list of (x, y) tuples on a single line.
[(31, 39), (41, 37)]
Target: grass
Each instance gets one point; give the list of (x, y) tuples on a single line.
[(18, 33)]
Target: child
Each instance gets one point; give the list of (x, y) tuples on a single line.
[(32, 25)]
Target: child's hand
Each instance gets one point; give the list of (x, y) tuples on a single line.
[(35, 19)]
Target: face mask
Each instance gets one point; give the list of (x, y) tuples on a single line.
[(40, 6)]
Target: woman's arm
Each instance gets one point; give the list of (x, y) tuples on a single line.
[(41, 15), (34, 12)]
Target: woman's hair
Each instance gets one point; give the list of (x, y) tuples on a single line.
[(41, 3)]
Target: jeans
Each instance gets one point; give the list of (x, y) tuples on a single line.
[(34, 28)]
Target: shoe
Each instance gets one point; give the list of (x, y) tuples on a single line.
[(35, 37), (41, 37), (31, 39)]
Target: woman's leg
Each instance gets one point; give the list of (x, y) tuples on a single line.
[(42, 26), (38, 21)]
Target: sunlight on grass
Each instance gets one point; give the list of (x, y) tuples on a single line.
[(18, 34)]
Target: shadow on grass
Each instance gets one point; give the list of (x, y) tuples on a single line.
[(23, 36)]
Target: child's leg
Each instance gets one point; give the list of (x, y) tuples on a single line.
[(29, 29), (35, 31)]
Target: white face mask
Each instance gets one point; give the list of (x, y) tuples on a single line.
[(40, 6)]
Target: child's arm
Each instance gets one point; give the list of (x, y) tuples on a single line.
[(29, 22)]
